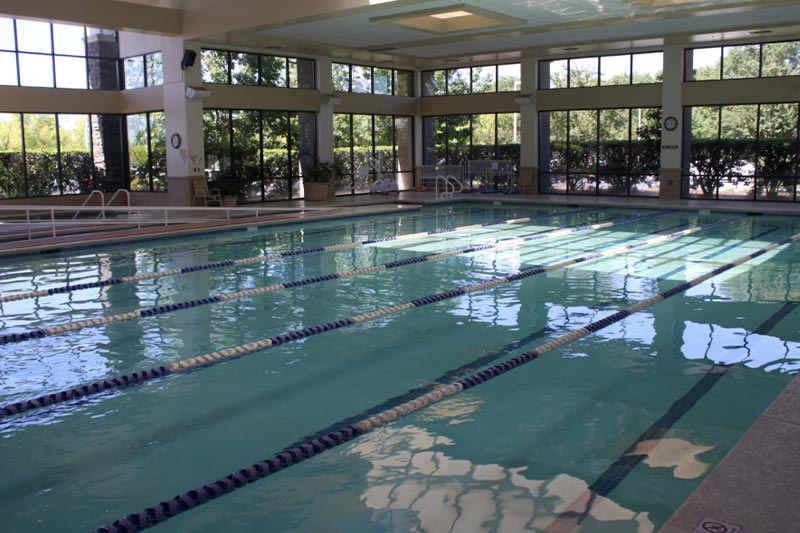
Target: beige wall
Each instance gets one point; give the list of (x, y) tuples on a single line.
[(43, 100), (243, 97), (469, 104), (141, 100), (136, 44), (371, 104), (763, 90), (599, 97)]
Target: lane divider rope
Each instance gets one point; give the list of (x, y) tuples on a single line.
[(189, 500), (484, 360), (269, 257), (226, 354), (39, 333)]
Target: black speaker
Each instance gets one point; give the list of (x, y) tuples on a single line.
[(188, 59)]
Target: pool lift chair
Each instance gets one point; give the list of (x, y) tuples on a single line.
[(382, 184)]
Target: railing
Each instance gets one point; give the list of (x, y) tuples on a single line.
[(446, 186), (86, 201), (37, 221), (426, 179), (113, 196)]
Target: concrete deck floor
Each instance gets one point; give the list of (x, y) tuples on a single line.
[(754, 489)]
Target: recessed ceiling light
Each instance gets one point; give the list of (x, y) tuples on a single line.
[(451, 14), (760, 32), (451, 60), (452, 18), (274, 47), (570, 48)]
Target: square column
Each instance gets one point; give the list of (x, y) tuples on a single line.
[(672, 126)]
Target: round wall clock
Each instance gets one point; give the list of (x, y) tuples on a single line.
[(670, 123), (175, 140)]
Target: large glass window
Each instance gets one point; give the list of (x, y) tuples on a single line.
[(372, 80), (456, 139), (624, 69), (744, 152), (600, 152), (147, 152), (385, 140), (56, 55), (256, 155), (48, 154), (743, 61), (469, 80), (242, 68)]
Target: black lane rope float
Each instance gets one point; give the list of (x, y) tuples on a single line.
[(39, 333), (269, 257), (191, 499), (227, 354)]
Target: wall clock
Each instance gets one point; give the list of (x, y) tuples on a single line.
[(670, 123), (175, 140)]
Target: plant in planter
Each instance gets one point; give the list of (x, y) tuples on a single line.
[(318, 181), (231, 187)]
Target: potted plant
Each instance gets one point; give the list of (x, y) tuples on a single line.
[(231, 187), (318, 181)]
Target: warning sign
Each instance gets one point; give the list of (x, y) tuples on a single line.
[(712, 525)]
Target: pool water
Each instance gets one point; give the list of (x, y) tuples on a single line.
[(512, 454)]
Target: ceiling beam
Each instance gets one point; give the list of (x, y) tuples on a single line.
[(107, 14)]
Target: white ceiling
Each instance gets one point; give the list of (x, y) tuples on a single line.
[(347, 29), (550, 26)]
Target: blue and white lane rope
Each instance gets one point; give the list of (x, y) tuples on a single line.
[(39, 333), (235, 352), (278, 255), (210, 491)]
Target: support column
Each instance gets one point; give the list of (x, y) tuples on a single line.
[(671, 108), (183, 116), (529, 139), (325, 116)]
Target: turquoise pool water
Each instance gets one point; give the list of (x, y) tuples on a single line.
[(509, 455)]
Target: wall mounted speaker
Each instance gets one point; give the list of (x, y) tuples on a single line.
[(188, 59)]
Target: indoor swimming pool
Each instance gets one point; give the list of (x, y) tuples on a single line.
[(203, 356)]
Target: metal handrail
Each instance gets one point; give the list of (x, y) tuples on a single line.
[(89, 197), (39, 216), (113, 196), (450, 183)]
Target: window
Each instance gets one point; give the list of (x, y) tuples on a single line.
[(242, 68), (624, 69), (609, 152), (41, 54), (456, 139), (147, 152), (365, 79), (387, 139), (258, 153), (742, 152), (472, 80), (743, 61), (61, 154)]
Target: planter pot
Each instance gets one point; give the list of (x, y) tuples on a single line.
[(315, 191), (228, 200)]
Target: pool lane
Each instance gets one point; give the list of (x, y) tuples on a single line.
[(39, 333), (191, 499), (235, 352), (580, 509), (280, 255)]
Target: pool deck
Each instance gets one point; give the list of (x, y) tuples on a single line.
[(755, 487)]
